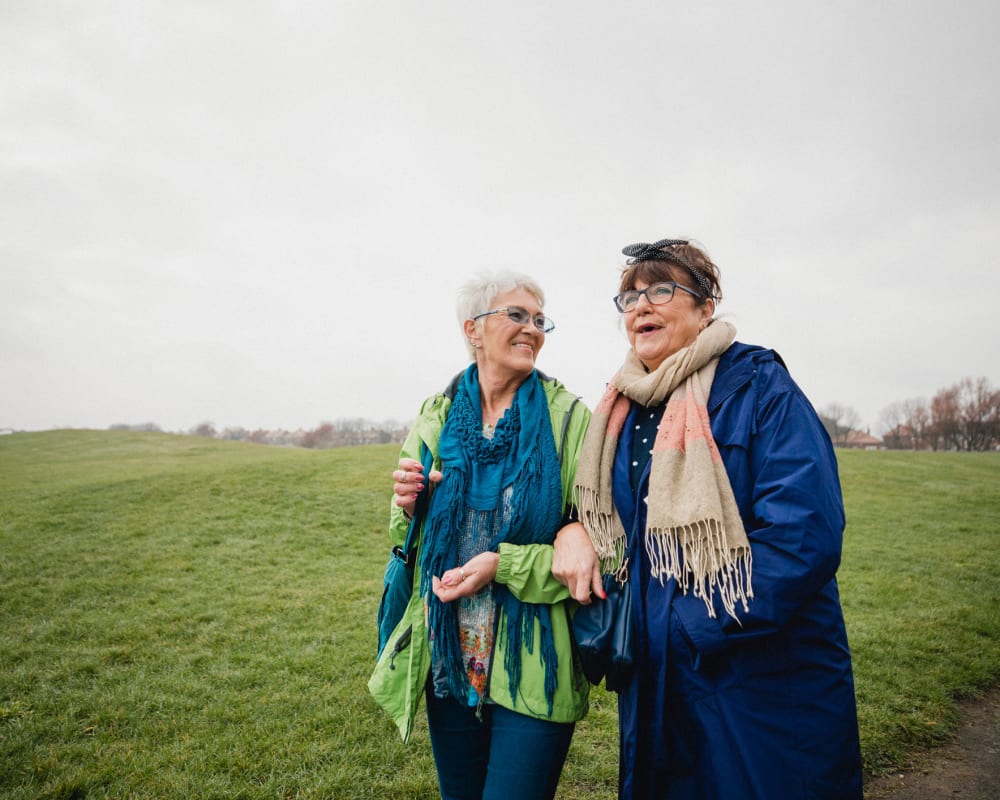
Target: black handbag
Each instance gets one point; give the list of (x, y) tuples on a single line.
[(397, 583), (605, 635)]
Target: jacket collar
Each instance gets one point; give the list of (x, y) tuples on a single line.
[(736, 369)]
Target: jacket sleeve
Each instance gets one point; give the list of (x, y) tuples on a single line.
[(527, 571), (783, 470)]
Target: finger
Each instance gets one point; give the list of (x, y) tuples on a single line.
[(435, 476), (444, 593), (581, 592), (407, 482), (447, 594), (597, 583), (453, 577), (409, 472), (408, 504)]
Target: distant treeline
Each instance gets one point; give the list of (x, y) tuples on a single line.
[(339, 433), (965, 416)]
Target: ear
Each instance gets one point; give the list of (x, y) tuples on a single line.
[(707, 312), (471, 331)]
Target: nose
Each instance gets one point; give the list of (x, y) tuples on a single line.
[(530, 326), (643, 298)]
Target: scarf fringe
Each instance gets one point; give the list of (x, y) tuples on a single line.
[(606, 533), (699, 557)]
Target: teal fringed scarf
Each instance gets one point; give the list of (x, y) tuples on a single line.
[(478, 471)]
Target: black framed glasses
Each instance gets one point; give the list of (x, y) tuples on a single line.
[(657, 294), (521, 316)]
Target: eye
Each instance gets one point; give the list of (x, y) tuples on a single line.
[(661, 290), (518, 315)]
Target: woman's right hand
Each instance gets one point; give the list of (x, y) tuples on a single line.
[(408, 480)]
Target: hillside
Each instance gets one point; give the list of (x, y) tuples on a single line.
[(191, 617)]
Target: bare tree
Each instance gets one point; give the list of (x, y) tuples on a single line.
[(944, 430), (966, 416), (979, 414), (839, 421), (907, 424)]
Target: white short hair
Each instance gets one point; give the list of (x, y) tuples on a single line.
[(476, 296)]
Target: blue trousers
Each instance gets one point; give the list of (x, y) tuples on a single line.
[(502, 756)]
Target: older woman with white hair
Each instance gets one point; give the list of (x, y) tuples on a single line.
[(486, 637)]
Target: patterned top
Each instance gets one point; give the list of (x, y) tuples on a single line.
[(476, 614)]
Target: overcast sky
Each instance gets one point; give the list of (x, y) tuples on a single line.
[(258, 214)]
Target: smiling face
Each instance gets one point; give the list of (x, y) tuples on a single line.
[(508, 350), (656, 332)]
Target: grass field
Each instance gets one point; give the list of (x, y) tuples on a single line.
[(184, 617)]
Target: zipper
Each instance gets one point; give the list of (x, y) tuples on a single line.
[(401, 644)]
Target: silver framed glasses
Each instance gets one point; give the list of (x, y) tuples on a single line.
[(657, 293), (521, 316)]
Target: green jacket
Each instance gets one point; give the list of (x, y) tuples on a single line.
[(401, 673)]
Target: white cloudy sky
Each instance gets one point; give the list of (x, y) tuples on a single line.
[(257, 214)]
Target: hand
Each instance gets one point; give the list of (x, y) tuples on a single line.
[(575, 563), (409, 480), (466, 580)]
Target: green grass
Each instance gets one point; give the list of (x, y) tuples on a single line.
[(184, 617), (920, 586)]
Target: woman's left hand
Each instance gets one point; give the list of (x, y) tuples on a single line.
[(575, 563), (466, 580)]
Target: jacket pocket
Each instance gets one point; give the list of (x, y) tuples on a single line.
[(401, 672)]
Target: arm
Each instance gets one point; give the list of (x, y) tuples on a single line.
[(525, 569), (787, 485), (574, 562)]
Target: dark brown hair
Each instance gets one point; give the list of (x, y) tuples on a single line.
[(685, 264)]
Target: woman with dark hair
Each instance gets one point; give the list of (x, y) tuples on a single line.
[(707, 480)]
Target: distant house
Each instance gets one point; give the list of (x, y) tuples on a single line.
[(861, 440), (904, 437)]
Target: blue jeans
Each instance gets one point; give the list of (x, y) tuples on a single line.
[(506, 755)]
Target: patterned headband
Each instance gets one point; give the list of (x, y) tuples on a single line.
[(653, 252)]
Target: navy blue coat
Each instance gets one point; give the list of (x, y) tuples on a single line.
[(764, 707)]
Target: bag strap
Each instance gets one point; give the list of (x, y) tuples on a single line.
[(565, 428)]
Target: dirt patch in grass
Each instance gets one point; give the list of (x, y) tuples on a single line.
[(967, 768)]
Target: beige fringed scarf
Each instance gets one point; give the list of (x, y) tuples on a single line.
[(694, 533)]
